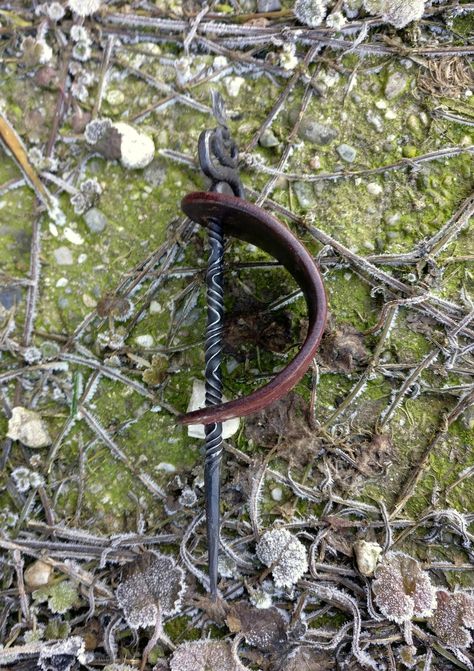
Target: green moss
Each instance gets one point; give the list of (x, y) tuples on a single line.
[(61, 596), (413, 205)]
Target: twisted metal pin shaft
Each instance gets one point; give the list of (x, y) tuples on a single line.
[(218, 157), (228, 210), (213, 356)]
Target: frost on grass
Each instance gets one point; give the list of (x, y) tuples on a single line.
[(62, 656), (453, 616), (154, 585), (402, 590), (310, 12), (205, 655), (285, 554), (51, 656), (398, 13)]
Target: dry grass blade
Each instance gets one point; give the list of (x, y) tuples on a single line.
[(14, 145)]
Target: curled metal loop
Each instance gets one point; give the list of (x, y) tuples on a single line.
[(248, 222), (219, 158)]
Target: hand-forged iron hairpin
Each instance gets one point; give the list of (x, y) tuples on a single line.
[(224, 210)]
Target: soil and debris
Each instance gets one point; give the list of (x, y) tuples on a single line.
[(347, 507)]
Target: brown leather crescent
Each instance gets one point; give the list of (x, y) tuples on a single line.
[(250, 223)]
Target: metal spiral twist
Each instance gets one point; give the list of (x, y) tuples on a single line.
[(213, 355), (218, 157), (227, 208)]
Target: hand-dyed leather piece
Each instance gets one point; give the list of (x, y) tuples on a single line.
[(245, 221)]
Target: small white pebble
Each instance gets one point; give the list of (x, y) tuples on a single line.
[(62, 282), (37, 574), (115, 97), (155, 308), (89, 301), (145, 340), (28, 427), (219, 62), (390, 114), (73, 236), (277, 493), (374, 189), (166, 467), (367, 556), (63, 256), (137, 148), (197, 401), (233, 85)]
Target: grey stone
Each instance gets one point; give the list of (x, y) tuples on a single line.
[(63, 256), (316, 133), (95, 220), (10, 296), (268, 5), (155, 173), (395, 85), (304, 193), (347, 153), (268, 139)]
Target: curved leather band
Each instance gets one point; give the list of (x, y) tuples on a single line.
[(250, 223)]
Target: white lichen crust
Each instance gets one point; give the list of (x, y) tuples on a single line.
[(398, 13), (402, 590), (84, 7), (453, 616), (154, 588), (310, 12), (205, 655), (285, 554)]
